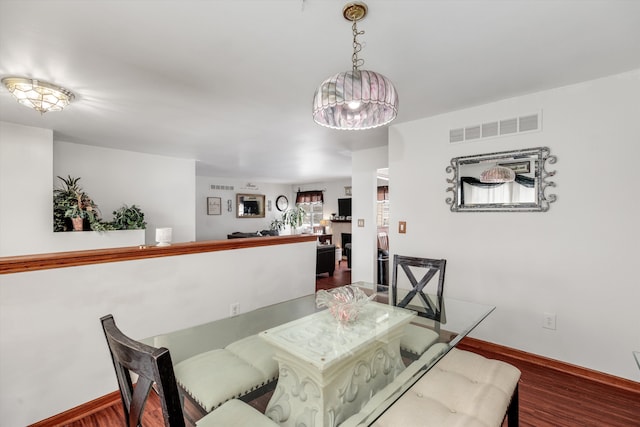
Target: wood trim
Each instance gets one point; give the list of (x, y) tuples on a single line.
[(21, 264), (80, 411), (495, 350)]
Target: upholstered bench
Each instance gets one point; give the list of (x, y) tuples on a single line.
[(235, 413), (216, 376), (462, 389), (416, 340)]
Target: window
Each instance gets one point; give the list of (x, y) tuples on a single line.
[(311, 202), (382, 217), (383, 213), (314, 214)]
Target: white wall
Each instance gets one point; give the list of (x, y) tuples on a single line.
[(30, 161), (53, 355), (163, 187), (577, 260), (26, 213), (364, 206), (216, 227), (26, 219)]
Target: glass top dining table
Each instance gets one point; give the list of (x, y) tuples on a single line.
[(455, 319)]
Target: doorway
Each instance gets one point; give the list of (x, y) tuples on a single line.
[(382, 223)]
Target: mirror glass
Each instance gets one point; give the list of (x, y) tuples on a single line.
[(250, 205), (504, 181)]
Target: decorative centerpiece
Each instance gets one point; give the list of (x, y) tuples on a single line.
[(344, 303)]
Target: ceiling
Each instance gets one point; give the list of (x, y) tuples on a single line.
[(230, 82)]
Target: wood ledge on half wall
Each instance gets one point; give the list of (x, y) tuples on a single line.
[(24, 263)]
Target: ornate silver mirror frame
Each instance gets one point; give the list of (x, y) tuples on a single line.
[(508, 181)]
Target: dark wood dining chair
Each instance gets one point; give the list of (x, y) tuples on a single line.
[(153, 366), (430, 309)]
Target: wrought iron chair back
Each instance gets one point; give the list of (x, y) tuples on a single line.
[(429, 309)]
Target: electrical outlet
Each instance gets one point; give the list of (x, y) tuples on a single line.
[(234, 309), (360, 222), (549, 321)]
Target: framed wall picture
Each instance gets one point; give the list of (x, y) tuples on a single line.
[(250, 205), (214, 206)]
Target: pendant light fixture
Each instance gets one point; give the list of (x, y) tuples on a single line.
[(41, 96), (356, 99), (498, 174)]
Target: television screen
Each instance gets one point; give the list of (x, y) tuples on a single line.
[(251, 207), (344, 207)]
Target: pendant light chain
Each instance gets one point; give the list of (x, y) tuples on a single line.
[(357, 47)]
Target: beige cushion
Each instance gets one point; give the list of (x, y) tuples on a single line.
[(258, 353), (462, 389), (417, 339), (216, 376), (479, 369), (235, 413)]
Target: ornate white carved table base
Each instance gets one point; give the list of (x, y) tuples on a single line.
[(329, 371)]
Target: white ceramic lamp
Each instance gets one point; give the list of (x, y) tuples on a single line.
[(163, 236)]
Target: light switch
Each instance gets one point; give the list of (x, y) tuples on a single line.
[(360, 222), (402, 227)]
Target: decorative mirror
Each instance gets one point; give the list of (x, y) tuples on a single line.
[(250, 205), (507, 181)]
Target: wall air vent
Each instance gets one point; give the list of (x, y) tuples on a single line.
[(510, 126), (222, 187), (472, 132), (528, 123), (456, 135), (490, 129)]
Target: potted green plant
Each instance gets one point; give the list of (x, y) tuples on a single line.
[(70, 201), (294, 217), (277, 225), (128, 218)]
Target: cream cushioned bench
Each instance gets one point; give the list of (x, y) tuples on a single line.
[(417, 339), (236, 413), (462, 389), (216, 376)]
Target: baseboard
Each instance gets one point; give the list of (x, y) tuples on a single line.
[(81, 411), (470, 344), (499, 351)]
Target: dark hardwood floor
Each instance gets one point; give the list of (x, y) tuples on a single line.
[(547, 398), (341, 277)]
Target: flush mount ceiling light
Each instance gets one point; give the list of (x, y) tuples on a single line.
[(356, 99), (39, 95), (498, 174)]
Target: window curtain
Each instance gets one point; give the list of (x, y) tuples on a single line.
[(383, 193), (309, 197)]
